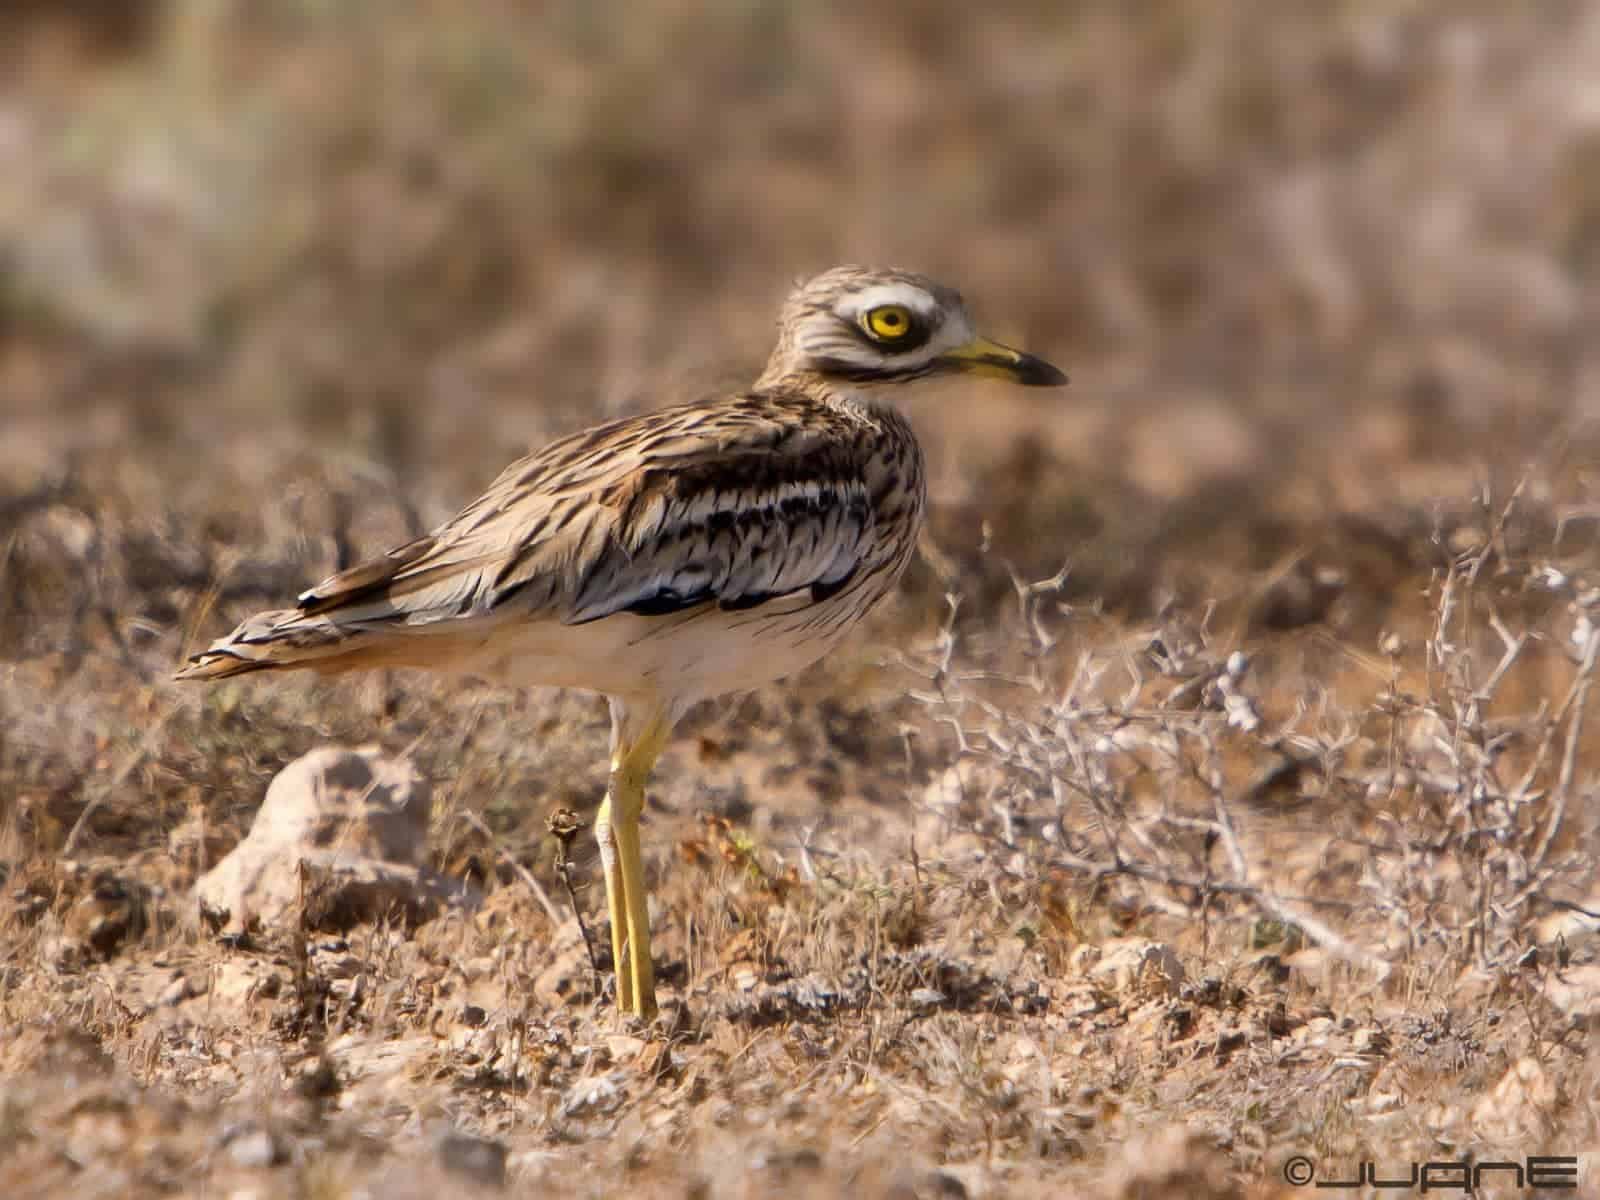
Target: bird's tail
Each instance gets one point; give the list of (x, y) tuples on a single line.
[(367, 616), (283, 639)]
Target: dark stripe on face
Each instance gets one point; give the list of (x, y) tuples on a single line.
[(855, 373)]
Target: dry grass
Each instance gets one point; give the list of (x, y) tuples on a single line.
[(1310, 706)]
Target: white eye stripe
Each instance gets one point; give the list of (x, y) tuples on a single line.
[(904, 294)]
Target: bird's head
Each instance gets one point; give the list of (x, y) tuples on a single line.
[(869, 326)]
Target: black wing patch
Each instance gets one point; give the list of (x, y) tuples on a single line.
[(737, 548), (667, 600)]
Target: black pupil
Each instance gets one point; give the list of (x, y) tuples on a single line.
[(892, 319)]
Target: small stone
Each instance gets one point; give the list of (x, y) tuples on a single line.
[(252, 1147), (1549, 577), (597, 1094), (1241, 712)]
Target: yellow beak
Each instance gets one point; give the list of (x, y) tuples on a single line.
[(983, 357)]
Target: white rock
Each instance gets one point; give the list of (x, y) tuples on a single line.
[(342, 831), (252, 1147)]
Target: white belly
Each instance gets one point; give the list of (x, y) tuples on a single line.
[(687, 656)]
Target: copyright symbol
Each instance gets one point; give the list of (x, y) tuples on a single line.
[(1299, 1170)]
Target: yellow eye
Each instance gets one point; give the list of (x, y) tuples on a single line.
[(888, 322)]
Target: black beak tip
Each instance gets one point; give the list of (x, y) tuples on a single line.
[(1035, 372)]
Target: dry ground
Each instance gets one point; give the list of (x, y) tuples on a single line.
[(1266, 828)]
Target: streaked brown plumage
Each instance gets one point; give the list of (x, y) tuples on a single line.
[(669, 556)]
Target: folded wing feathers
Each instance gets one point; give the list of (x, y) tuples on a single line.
[(732, 504), (735, 547), (345, 586)]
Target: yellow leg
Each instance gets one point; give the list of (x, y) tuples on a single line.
[(640, 970), (635, 748), (616, 904)]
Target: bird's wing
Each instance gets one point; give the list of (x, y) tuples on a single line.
[(733, 504)]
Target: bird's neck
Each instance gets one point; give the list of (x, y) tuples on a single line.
[(834, 391)]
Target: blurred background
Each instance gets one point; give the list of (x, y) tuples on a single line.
[(281, 282), (284, 282)]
